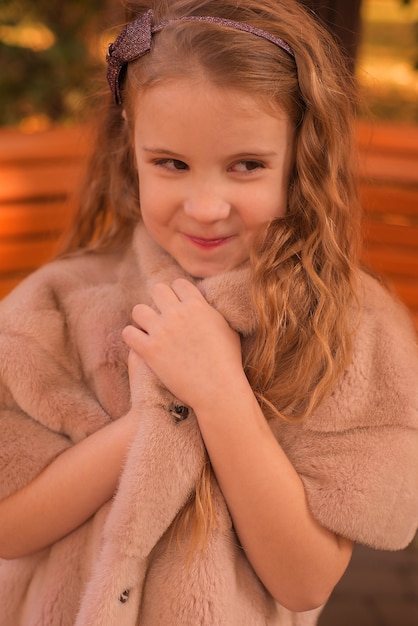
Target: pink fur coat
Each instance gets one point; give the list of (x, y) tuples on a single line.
[(63, 375)]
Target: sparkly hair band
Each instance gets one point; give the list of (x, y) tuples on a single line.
[(135, 40)]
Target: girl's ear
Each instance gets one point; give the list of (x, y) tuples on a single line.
[(124, 115)]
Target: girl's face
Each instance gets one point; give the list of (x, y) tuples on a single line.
[(213, 167)]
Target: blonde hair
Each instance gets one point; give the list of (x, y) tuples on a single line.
[(303, 265)]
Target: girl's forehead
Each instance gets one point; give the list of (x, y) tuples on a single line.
[(199, 91), (195, 117)]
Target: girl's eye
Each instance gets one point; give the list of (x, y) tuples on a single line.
[(246, 166), (172, 164)]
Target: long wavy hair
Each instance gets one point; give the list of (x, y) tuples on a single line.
[(304, 265)]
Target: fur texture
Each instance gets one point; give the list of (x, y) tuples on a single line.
[(63, 374)]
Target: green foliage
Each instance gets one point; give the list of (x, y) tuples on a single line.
[(49, 80)]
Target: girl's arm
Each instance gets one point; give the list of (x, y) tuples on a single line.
[(194, 352), (66, 493), (297, 559)]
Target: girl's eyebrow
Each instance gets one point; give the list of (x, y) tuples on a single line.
[(239, 155), (249, 154), (159, 151)]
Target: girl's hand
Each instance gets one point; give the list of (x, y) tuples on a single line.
[(187, 344)]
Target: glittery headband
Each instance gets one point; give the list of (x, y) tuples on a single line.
[(135, 41)]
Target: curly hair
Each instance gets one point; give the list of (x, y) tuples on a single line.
[(304, 266)]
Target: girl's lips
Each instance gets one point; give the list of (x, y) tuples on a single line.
[(207, 243)]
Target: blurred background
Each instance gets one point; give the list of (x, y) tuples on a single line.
[(387, 65), (52, 57)]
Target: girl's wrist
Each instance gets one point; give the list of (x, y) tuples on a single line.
[(222, 396)]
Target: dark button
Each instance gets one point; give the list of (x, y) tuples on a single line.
[(180, 412), (124, 596)]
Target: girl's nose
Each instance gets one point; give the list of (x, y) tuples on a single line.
[(207, 208)]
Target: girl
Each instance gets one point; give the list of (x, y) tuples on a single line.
[(205, 402)]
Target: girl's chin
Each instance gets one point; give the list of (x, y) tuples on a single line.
[(201, 271)]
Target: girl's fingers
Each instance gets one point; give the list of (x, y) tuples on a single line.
[(163, 296), (144, 316), (184, 290), (132, 337)]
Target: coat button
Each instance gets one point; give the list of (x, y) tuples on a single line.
[(124, 596), (180, 412)]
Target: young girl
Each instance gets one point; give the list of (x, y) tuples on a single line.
[(205, 402)]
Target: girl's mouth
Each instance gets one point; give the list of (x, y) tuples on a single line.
[(208, 244)]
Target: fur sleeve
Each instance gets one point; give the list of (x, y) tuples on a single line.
[(26, 449), (44, 404), (358, 454)]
